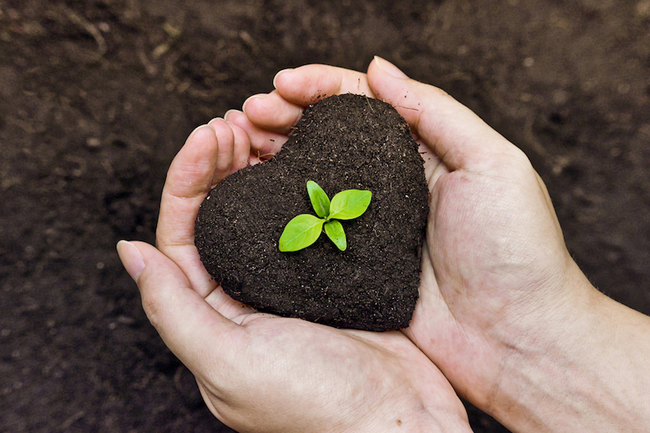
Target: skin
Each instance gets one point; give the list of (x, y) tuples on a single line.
[(504, 312)]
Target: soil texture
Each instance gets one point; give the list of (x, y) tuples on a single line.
[(342, 142), (97, 96)]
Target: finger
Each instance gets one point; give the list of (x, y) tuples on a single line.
[(225, 150), (237, 145), (264, 144), (227, 306), (189, 179), (272, 112), (243, 157), (306, 85), (457, 135), (189, 326)]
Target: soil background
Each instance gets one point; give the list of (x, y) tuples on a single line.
[(97, 96)]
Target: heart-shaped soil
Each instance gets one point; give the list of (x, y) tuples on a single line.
[(342, 142)]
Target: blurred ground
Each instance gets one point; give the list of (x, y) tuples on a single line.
[(97, 96)]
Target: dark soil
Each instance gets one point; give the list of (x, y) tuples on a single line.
[(343, 142), (97, 96)]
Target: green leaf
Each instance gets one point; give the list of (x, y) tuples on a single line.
[(319, 199), (349, 204), (300, 232), (334, 231)]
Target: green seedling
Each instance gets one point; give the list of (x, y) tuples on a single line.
[(305, 229)]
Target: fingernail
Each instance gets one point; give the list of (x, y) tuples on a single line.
[(229, 113), (131, 259), (389, 68), (275, 79), (215, 120), (194, 132), (259, 96)]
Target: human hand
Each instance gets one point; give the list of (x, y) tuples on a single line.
[(259, 372), (503, 310)]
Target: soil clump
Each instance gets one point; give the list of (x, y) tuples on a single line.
[(342, 142)]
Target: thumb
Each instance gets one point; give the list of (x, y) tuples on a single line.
[(452, 131), (188, 325)]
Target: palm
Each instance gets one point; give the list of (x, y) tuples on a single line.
[(325, 375), (479, 270)]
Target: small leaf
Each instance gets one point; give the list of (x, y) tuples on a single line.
[(319, 199), (300, 232), (334, 231), (349, 204)]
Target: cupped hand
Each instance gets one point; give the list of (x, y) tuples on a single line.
[(259, 372), (496, 274)]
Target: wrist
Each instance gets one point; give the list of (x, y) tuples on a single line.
[(581, 370)]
